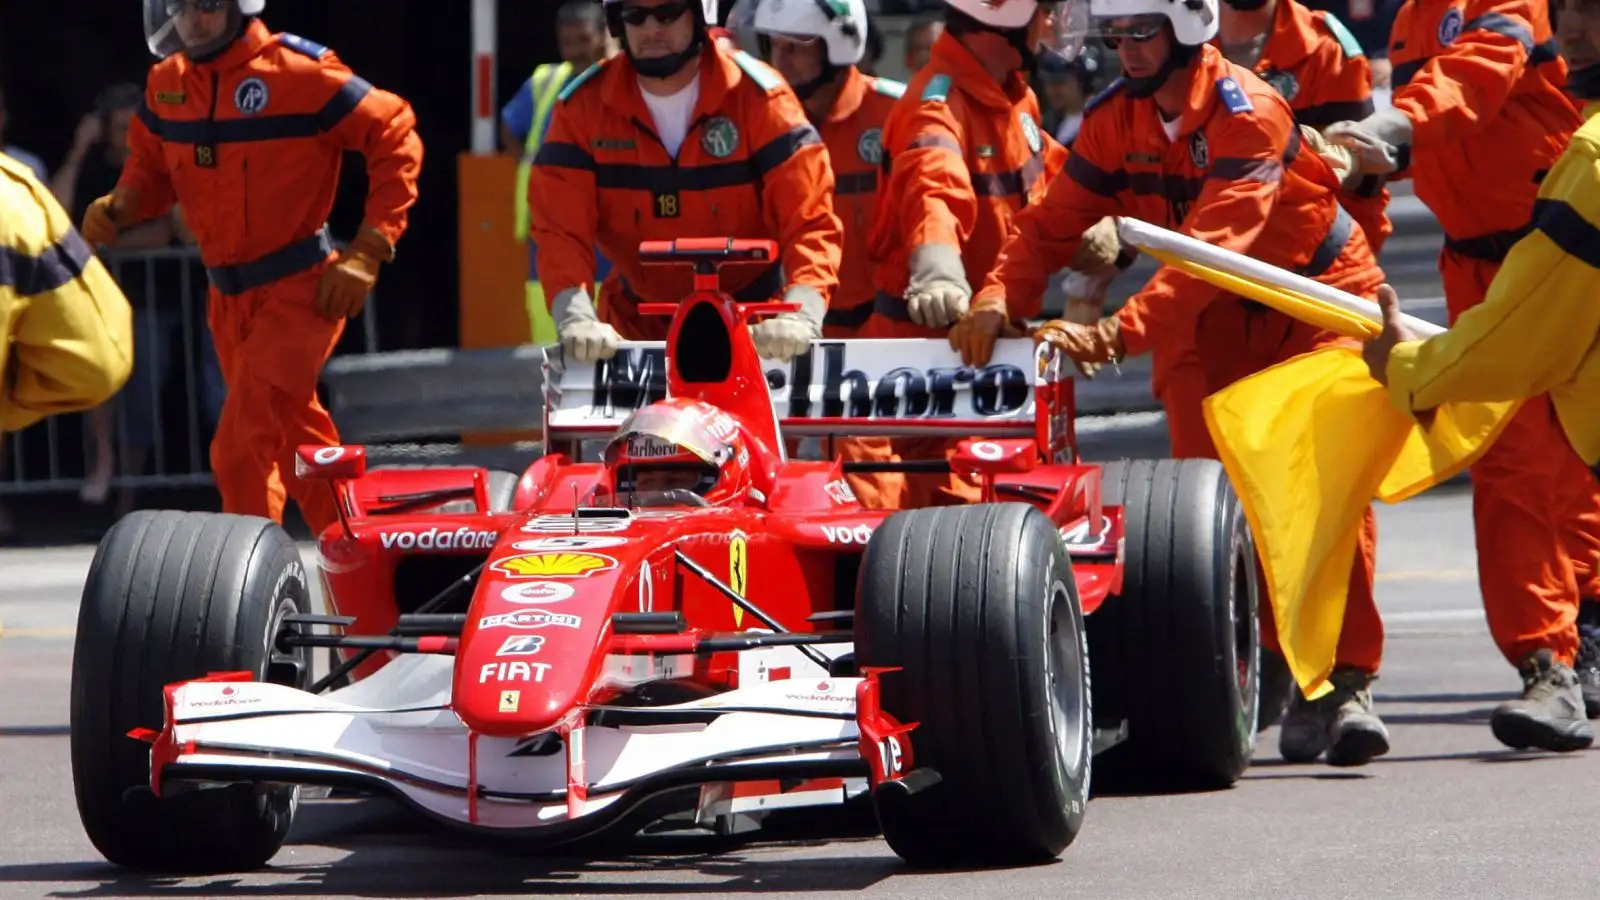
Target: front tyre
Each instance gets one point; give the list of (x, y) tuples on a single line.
[(979, 606), (173, 596)]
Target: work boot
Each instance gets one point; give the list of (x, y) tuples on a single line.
[(1304, 734), (1550, 715), (1587, 665), (1340, 723)]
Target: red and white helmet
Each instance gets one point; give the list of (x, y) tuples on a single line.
[(685, 437), (998, 13), (1066, 24)]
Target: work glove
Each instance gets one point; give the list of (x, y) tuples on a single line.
[(1097, 255), (583, 336), (937, 293), (108, 215), (1341, 158), (783, 337), (1087, 345), (1381, 142), (346, 283), (973, 336), (1086, 295)]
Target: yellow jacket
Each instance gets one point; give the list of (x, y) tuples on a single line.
[(66, 330), (1538, 329)]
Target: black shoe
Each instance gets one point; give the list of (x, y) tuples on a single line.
[(1550, 715), (1587, 665)]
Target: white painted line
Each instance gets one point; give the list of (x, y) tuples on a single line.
[(1433, 615)]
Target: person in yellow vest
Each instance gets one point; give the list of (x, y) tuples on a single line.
[(583, 42), (66, 329)]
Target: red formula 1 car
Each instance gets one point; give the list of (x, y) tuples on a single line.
[(693, 615)]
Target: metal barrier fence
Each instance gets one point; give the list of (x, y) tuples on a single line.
[(157, 431)]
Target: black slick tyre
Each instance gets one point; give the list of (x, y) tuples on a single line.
[(1176, 654), (172, 596), (979, 607)]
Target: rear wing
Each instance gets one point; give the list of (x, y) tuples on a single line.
[(859, 387)]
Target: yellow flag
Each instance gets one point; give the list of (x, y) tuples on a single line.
[(1308, 444)]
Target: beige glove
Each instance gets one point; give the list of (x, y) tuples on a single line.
[(937, 294), (1097, 254), (783, 337), (1086, 295), (583, 336), (1341, 158)]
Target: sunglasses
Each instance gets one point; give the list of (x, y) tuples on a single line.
[(666, 13), (206, 6), (1138, 31)]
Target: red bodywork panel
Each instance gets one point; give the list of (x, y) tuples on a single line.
[(539, 640)]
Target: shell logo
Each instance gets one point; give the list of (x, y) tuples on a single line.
[(555, 565)]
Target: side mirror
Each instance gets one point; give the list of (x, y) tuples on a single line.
[(314, 462), (984, 459)]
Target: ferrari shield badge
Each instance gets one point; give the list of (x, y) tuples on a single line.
[(1030, 130), (721, 137), (870, 146), (738, 571), (555, 565), (1283, 82)]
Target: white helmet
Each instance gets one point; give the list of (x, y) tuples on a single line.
[(841, 24), (997, 13), (1194, 22), (163, 20)]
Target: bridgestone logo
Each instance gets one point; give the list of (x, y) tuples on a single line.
[(435, 539)]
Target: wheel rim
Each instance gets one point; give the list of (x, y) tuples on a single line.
[(1243, 609), (288, 666), (1064, 675)]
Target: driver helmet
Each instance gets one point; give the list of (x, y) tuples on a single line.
[(679, 444), (199, 29)]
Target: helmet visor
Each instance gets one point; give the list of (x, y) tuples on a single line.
[(1064, 29), (661, 432), (193, 26)]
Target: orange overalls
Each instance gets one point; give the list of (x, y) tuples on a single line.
[(250, 143), (751, 166), (853, 134), (1321, 71), (963, 154), (1235, 175), (1484, 87)]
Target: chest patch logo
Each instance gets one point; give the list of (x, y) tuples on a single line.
[(870, 146), (1450, 27), (250, 97), (1199, 151), (1283, 82), (721, 137), (1030, 130)]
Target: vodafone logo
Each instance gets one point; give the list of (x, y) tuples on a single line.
[(328, 455), (437, 539), (988, 450), (537, 592)]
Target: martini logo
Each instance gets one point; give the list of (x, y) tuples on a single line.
[(530, 619), (555, 565)]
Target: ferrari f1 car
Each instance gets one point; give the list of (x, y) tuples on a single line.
[(694, 614)]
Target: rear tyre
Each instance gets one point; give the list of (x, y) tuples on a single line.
[(1177, 653), (173, 596), (979, 606)]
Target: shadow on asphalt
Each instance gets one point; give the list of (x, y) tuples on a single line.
[(393, 852)]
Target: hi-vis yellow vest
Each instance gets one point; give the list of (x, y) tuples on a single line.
[(548, 80)]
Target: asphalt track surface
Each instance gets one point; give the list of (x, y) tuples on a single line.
[(1449, 813)]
